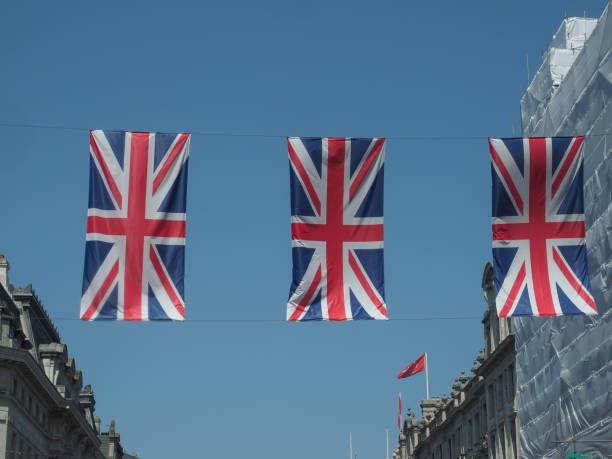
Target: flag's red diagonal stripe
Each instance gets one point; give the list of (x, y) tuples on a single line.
[(506, 175), (117, 227), (169, 161), (514, 291), (365, 284), (566, 165), (166, 282), (110, 279), (307, 297), (107, 174), (572, 280), (366, 167), (304, 176)]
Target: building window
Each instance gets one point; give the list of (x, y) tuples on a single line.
[(483, 419), (511, 382), (459, 441), (470, 434), (491, 397), (502, 439), (492, 441), (477, 426), (500, 392), (13, 446)]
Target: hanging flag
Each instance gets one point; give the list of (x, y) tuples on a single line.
[(415, 367), (135, 249), (336, 229), (539, 252), (399, 413)]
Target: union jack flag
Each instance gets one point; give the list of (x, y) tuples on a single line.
[(539, 251), (135, 249), (336, 229)]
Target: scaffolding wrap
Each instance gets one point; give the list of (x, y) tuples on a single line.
[(564, 369)]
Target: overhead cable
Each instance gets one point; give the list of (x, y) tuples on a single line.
[(275, 136)]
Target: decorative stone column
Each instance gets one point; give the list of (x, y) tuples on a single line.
[(4, 270), (402, 447)]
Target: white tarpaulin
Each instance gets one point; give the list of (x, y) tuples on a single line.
[(561, 61), (564, 364), (577, 31), (567, 43)]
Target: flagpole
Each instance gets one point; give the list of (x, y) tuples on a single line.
[(387, 432), (427, 376), (351, 445)]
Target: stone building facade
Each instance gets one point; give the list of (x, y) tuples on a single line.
[(479, 419), (45, 412)]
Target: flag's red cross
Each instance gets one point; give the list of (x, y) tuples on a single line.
[(136, 227), (538, 230), (334, 232)]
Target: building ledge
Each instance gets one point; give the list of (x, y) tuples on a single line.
[(24, 361)]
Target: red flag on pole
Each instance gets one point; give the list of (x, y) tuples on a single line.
[(399, 413), (415, 367)]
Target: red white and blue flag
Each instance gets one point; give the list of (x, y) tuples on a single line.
[(336, 229), (135, 249), (539, 250)]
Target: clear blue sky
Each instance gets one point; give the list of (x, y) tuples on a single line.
[(319, 68)]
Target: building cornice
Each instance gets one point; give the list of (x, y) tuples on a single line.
[(25, 362), (505, 347)]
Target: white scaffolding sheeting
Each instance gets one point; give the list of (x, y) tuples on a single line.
[(564, 365), (564, 48)]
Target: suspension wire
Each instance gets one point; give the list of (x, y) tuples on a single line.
[(430, 318), (239, 134), (276, 136)]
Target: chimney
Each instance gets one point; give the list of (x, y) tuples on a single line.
[(4, 269)]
